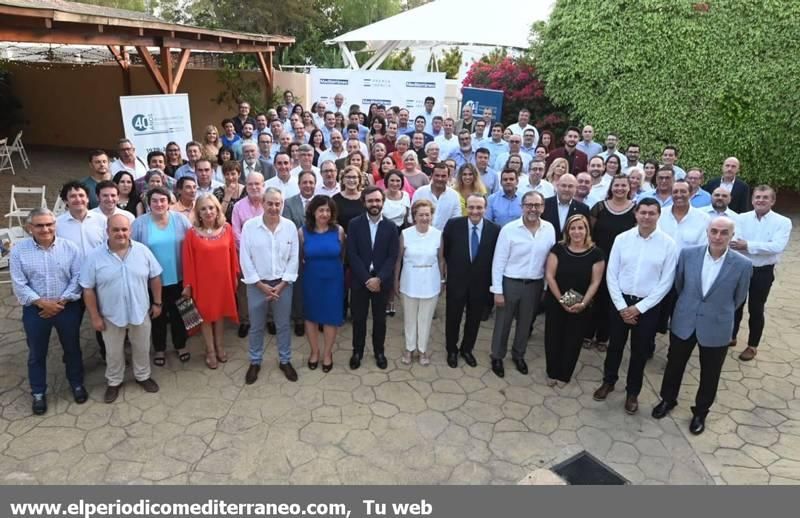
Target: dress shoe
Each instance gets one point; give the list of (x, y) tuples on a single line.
[(471, 361), (149, 385), (252, 373), (380, 361), (698, 425), (80, 394), (631, 404), (243, 330), (39, 406), (662, 409), (497, 368), (111, 393), (271, 328), (521, 366), (355, 362), (452, 360), (602, 393), (748, 354), (732, 343), (299, 328), (288, 371)]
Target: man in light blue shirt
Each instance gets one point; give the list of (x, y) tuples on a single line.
[(496, 145), (668, 158), (429, 115), (528, 141), (464, 154), (437, 126), (489, 177), (328, 128), (115, 280), (514, 147), (478, 137), (363, 131), (697, 196), (193, 153), (587, 145), (504, 206)]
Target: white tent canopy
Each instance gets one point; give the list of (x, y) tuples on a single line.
[(492, 23)]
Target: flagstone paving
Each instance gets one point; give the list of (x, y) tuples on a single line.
[(404, 425)]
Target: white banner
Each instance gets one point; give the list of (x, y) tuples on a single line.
[(387, 87), (152, 121)]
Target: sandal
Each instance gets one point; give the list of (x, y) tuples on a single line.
[(211, 361), (223, 357), (159, 361), (184, 356), (602, 347), (588, 343)]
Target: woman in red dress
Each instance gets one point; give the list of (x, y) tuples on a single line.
[(210, 272)]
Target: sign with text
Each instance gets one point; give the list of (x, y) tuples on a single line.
[(387, 87), (152, 121), (481, 98)]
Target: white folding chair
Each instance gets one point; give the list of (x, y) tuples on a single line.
[(5, 157), (17, 147), (59, 207), (6, 241), (21, 212)]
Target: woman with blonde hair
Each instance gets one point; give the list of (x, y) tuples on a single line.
[(419, 279), (573, 273), (210, 274), (557, 169), (358, 160), (211, 143), (411, 171), (468, 181)]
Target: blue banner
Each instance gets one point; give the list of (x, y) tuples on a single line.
[(481, 98)]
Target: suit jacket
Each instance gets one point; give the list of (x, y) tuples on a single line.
[(382, 256), (550, 213), (740, 194), (293, 210), (263, 166), (709, 316), (462, 272), (578, 162)]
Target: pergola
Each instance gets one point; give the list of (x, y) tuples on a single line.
[(69, 23)]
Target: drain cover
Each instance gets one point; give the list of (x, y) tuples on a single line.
[(584, 469)]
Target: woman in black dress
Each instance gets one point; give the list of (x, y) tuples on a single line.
[(128, 197), (574, 263), (609, 219)]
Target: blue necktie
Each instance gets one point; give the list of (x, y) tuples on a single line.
[(474, 244)]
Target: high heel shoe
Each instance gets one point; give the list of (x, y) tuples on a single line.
[(327, 368), (313, 365)]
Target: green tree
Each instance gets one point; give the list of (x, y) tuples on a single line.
[(398, 60), (449, 63), (715, 79)]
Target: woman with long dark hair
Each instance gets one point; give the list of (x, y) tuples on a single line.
[(128, 197)]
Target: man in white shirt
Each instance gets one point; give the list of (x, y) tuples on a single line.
[(641, 268), (632, 153), (448, 142), (336, 149), (588, 145), (108, 194), (519, 127), (668, 158), (445, 199), (517, 279), (269, 257), (328, 186), (600, 180), (205, 178), (128, 161), (533, 180), (306, 154), (720, 201), (429, 114), (584, 188), (611, 149), (761, 236), (283, 180), (319, 115)]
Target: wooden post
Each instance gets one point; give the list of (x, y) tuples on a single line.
[(182, 61), (265, 64), (166, 68), (123, 60), (152, 69)]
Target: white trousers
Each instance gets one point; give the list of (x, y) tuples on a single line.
[(114, 338), (417, 319)]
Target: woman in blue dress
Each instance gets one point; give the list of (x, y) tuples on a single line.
[(322, 254)]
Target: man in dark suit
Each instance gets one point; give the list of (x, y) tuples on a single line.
[(294, 209), (559, 208), (252, 162), (468, 246), (577, 160), (372, 248), (711, 282), (740, 191)]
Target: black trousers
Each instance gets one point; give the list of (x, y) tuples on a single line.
[(563, 336), (667, 307), (711, 360), (642, 335), (598, 326), (760, 284), (360, 300), (474, 301), (170, 316)]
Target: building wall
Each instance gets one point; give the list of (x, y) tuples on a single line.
[(79, 107)]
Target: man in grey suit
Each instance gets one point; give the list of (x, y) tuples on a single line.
[(711, 282), (254, 163), (295, 209)]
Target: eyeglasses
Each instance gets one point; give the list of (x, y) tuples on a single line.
[(40, 226), (533, 205)]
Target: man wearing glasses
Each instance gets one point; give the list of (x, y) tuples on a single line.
[(517, 279), (464, 154), (128, 161), (514, 148), (665, 179)]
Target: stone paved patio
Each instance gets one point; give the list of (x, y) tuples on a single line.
[(417, 425)]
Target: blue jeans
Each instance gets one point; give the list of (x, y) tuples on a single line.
[(258, 305), (37, 333)]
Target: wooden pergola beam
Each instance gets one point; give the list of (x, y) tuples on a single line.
[(166, 68), (183, 59), (265, 64), (152, 69)]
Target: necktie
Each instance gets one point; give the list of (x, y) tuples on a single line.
[(475, 242)]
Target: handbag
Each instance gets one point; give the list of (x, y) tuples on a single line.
[(571, 297), (189, 314)]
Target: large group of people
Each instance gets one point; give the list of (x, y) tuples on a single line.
[(294, 221)]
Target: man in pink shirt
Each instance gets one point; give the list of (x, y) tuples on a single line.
[(247, 208)]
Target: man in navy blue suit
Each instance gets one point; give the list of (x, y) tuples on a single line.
[(372, 248)]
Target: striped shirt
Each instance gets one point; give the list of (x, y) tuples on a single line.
[(45, 273)]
